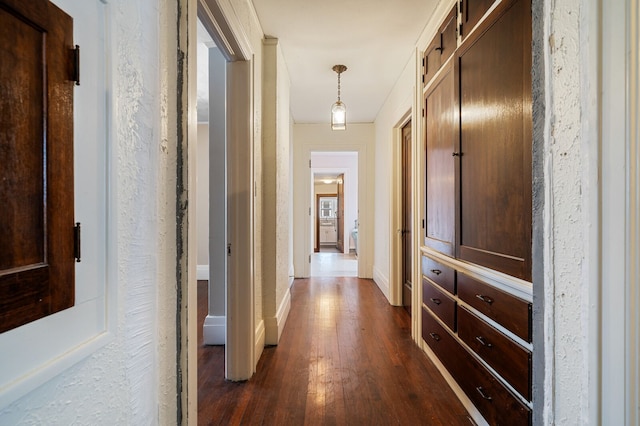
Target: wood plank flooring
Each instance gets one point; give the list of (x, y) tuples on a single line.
[(345, 358)]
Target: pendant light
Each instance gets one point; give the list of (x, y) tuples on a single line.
[(338, 109)]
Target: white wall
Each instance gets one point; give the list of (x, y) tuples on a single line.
[(202, 188), (131, 380), (275, 191), (399, 102)]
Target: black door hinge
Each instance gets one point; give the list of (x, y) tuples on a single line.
[(76, 241), (75, 62)]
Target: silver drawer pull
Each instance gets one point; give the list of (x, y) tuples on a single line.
[(435, 337), (485, 299), (482, 394), (483, 342), (436, 271), (436, 301)]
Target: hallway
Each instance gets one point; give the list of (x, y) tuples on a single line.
[(345, 357)]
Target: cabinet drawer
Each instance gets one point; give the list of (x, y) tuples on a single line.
[(495, 402), (440, 274), (511, 312), (510, 360), (442, 305)]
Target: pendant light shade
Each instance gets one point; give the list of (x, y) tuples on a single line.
[(338, 109)]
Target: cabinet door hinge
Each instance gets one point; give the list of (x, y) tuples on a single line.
[(76, 242), (423, 112), (75, 61), (309, 163), (309, 258)]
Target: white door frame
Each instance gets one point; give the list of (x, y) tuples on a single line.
[(303, 247), (219, 18), (395, 213)]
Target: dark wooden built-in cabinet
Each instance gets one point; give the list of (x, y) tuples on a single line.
[(476, 263)]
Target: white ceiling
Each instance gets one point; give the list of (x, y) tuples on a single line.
[(373, 38)]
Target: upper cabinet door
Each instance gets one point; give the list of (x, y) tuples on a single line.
[(472, 12), (494, 70), (36, 157), (441, 135), (441, 47)]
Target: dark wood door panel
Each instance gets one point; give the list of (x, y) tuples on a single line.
[(37, 262), (472, 12), (495, 142), (441, 134), (22, 151)]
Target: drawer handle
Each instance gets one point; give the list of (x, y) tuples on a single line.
[(482, 394), (436, 271), (436, 301), (486, 299), (483, 342), (435, 337)]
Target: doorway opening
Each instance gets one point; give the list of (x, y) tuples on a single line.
[(334, 178)]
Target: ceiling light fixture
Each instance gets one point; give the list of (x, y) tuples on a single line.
[(338, 109)]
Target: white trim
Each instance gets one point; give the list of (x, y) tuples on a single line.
[(395, 207), (213, 330), (381, 281), (260, 342), (202, 272), (275, 325), (240, 338), (633, 248)]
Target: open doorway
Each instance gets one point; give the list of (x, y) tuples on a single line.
[(334, 177)]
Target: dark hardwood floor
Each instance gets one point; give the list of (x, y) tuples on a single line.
[(345, 357)]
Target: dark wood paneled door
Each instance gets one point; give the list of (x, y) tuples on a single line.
[(494, 70), (36, 162), (441, 142), (340, 215), (407, 260)]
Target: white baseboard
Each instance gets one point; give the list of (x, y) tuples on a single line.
[(260, 339), (274, 325), (202, 272), (382, 282), (214, 330), (291, 280)]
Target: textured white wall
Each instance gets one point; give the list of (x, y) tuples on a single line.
[(120, 383), (566, 217), (398, 103)]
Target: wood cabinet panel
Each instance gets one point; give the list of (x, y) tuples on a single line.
[(510, 360), (441, 135), (472, 12), (440, 304), (509, 311), (494, 72), (439, 273), (37, 264), (442, 46)]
